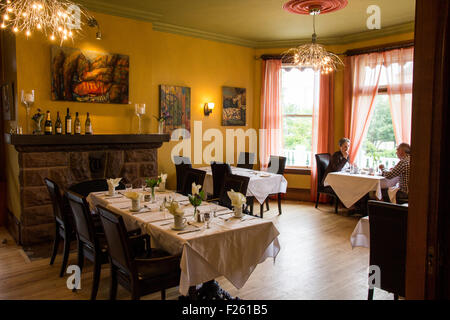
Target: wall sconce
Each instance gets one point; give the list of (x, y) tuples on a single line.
[(92, 22), (208, 108)]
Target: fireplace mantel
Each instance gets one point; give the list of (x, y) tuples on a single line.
[(43, 143)]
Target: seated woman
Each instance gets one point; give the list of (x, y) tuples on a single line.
[(340, 158)]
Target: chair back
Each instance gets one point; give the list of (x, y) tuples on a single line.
[(246, 160), (277, 164), (388, 228), (182, 164), (235, 182), (59, 209), (322, 161), (219, 171), (119, 246), (191, 176), (86, 187), (83, 219)]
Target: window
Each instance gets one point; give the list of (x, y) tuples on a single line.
[(299, 90)]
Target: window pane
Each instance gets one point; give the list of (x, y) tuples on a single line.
[(297, 140), (297, 91)]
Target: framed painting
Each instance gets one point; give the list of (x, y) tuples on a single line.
[(88, 76), (234, 106), (175, 101), (7, 98)]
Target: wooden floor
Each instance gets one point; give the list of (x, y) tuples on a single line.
[(316, 262)]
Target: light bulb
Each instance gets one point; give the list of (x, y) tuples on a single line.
[(6, 17), (15, 29), (9, 10), (28, 33), (52, 37), (3, 26), (39, 26)]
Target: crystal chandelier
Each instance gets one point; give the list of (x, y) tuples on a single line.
[(313, 54), (58, 19)]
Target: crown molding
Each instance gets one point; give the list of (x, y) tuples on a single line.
[(120, 11)]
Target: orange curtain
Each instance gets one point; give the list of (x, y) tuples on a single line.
[(365, 71), (271, 114), (323, 126), (399, 74)]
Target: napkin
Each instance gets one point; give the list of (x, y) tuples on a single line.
[(175, 209), (112, 183), (134, 195), (163, 177), (237, 198)]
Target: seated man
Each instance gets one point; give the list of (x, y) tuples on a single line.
[(340, 158), (401, 170)]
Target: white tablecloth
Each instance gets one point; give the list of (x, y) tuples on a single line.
[(361, 235), (261, 184), (230, 248), (352, 187)]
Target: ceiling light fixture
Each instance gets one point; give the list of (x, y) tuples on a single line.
[(314, 55), (55, 18)]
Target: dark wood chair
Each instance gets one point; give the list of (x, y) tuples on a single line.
[(219, 171), (91, 239), (86, 187), (182, 164), (322, 162), (388, 231), (192, 175), (64, 226), (246, 160), (232, 182), (140, 276)]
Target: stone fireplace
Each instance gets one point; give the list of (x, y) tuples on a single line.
[(72, 159)]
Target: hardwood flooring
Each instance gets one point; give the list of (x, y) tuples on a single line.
[(316, 262)]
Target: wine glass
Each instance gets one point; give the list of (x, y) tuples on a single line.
[(27, 98), (128, 187), (207, 217), (139, 109)]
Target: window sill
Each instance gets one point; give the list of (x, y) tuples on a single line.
[(299, 171)]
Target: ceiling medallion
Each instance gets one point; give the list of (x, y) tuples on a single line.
[(59, 19), (314, 55)]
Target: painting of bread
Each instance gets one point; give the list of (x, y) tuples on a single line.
[(88, 76)]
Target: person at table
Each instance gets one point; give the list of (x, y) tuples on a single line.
[(402, 170), (340, 158)]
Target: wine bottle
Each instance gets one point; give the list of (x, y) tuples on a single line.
[(77, 124), (58, 124), (68, 123), (48, 127), (88, 125)]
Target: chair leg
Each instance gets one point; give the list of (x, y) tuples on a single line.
[(317, 199), (395, 296), (113, 289), (55, 246), (96, 281), (261, 210), (250, 203), (279, 203), (80, 256), (163, 294), (336, 201), (65, 257), (267, 204), (370, 296)]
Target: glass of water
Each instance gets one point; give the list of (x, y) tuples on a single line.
[(128, 187)]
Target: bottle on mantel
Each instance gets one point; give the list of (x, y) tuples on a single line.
[(48, 127), (68, 123), (58, 124), (77, 124), (88, 125)]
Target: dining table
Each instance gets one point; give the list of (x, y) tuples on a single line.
[(231, 247), (260, 186)]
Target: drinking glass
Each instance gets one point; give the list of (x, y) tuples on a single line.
[(129, 187), (139, 109), (207, 217), (27, 98)]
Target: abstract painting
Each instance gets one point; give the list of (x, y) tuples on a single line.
[(176, 102), (87, 76), (234, 106)]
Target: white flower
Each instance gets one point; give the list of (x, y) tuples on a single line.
[(237, 198), (195, 188), (163, 177)]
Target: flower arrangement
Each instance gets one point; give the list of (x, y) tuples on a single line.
[(38, 118), (152, 183), (196, 197)]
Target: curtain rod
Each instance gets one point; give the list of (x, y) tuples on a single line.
[(380, 48)]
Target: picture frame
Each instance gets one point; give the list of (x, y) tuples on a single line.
[(234, 106), (176, 102)]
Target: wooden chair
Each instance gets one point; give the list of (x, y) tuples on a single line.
[(388, 231), (91, 240), (86, 187), (219, 171), (235, 182), (140, 276), (192, 175), (182, 164), (64, 227), (246, 160), (322, 161)]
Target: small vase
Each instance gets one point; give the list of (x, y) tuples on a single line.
[(153, 195), (238, 211), (160, 127)]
